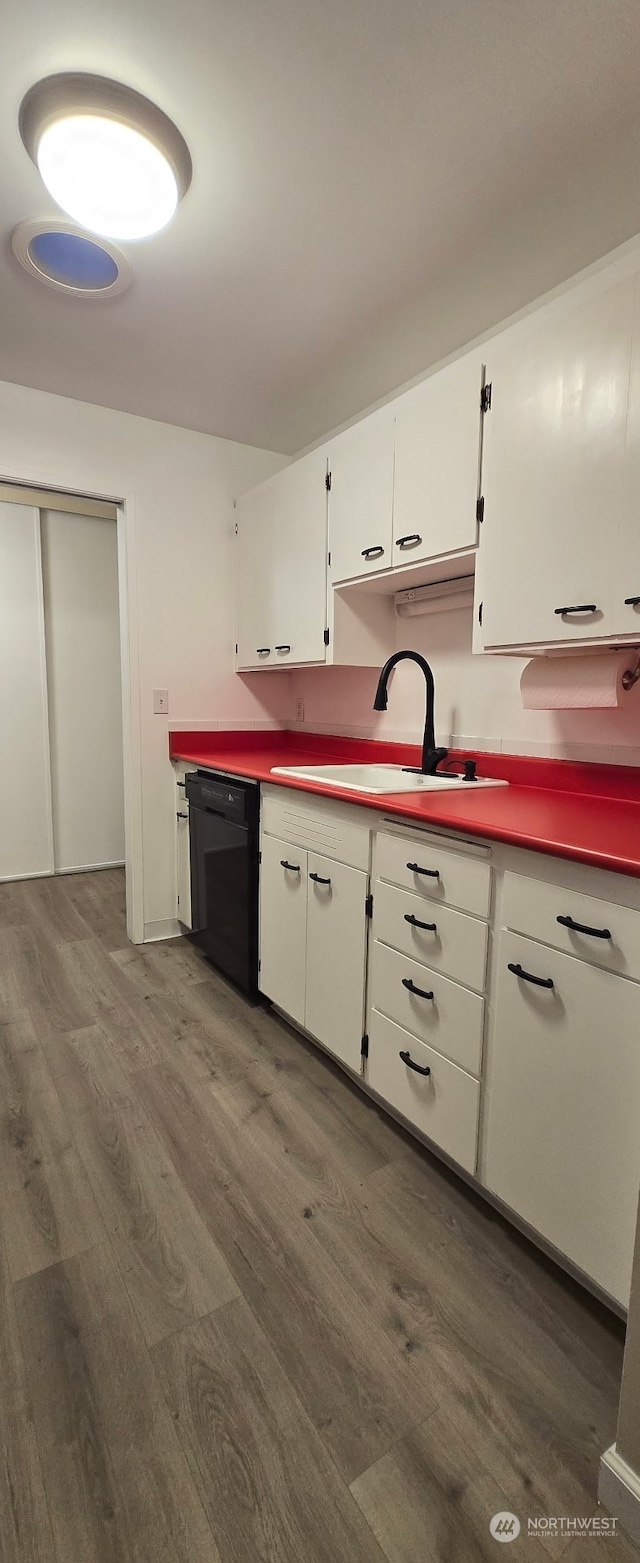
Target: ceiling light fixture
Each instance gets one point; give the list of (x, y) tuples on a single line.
[(109, 157)]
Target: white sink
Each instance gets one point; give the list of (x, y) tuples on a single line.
[(381, 778)]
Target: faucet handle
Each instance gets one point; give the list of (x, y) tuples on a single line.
[(432, 759)]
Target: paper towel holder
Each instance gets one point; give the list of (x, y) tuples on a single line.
[(631, 676)]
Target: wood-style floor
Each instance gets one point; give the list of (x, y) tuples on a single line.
[(245, 1318)]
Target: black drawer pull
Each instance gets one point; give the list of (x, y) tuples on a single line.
[(294, 868), (430, 873), (411, 540), (318, 880), (180, 815), (283, 648), (540, 982), (373, 553), (594, 933), (632, 602), (262, 651), (580, 607), (415, 923), (407, 1059), (421, 993)]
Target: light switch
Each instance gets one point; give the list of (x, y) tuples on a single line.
[(160, 702)]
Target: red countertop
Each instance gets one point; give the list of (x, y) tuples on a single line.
[(588, 813)]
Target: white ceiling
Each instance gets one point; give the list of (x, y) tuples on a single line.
[(375, 182)]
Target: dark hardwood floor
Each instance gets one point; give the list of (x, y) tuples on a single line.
[(245, 1319)]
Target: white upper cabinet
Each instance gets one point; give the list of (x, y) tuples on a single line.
[(281, 567), (255, 576), (437, 465), (361, 498), (557, 498), (627, 570)]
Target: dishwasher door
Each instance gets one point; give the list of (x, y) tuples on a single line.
[(224, 889)]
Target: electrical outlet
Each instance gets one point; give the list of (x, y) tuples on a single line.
[(160, 702), (299, 710)]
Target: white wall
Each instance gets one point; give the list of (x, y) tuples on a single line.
[(478, 702), (179, 489)]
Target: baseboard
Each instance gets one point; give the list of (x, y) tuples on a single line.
[(164, 928), (619, 1491), (90, 868)]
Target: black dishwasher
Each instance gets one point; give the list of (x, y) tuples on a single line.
[(223, 839)]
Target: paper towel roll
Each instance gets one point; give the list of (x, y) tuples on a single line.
[(577, 683)]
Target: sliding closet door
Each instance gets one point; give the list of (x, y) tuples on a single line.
[(25, 803), (80, 571)]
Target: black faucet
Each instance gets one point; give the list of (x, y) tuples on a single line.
[(431, 756)]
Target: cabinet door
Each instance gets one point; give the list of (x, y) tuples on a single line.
[(436, 465), (627, 563), (361, 498), (255, 576), (283, 925), (183, 860), (553, 460), (336, 945), (562, 1145), (299, 561)]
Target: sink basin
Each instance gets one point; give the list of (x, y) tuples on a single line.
[(380, 778)]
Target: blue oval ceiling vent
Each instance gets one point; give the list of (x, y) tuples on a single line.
[(61, 257)]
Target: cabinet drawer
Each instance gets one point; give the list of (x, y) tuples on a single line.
[(439, 875), (442, 1104), (563, 1106), (533, 907), (456, 945), (451, 1021)]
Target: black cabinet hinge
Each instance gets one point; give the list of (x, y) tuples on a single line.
[(327, 482), (480, 509), (368, 906), (480, 613), (326, 637), (364, 1046), (485, 398)]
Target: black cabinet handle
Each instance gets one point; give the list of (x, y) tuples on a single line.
[(415, 923), (407, 1059), (283, 648), (594, 933), (421, 993), (540, 982), (430, 873), (373, 553), (293, 867), (318, 880), (181, 815), (632, 602), (410, 541), (262, 651), (580, 607)]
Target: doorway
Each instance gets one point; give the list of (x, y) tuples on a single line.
[(62, 782)]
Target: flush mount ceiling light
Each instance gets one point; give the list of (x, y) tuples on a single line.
[(108, 156), (57, 254)]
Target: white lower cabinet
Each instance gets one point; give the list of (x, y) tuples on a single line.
[(336, 954), (283, 925), (183, 852), (558, 1137), (427, 1089), (563, 1106), (313, 940)]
